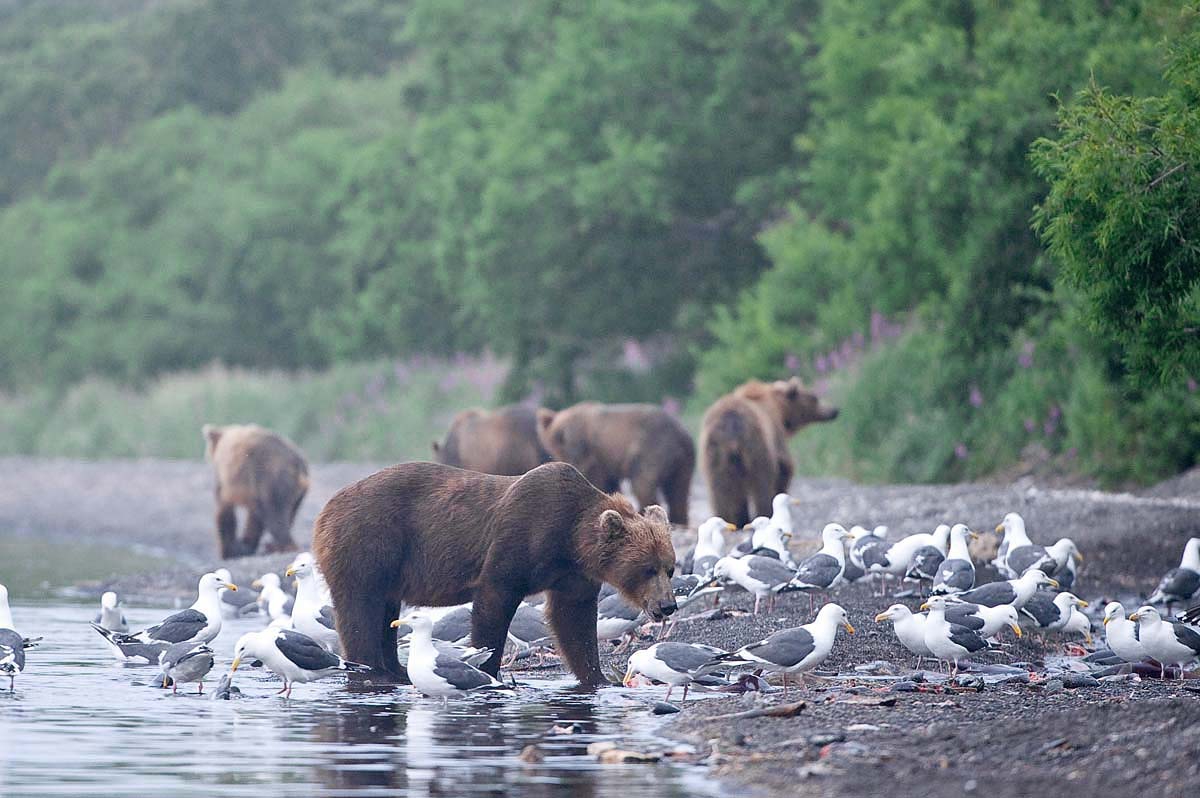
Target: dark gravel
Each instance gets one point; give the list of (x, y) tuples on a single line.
[(1122, 736)]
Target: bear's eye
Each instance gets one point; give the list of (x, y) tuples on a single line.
[(651, 572)]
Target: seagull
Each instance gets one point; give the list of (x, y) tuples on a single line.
[(987, 621), (110, 615), (528, 631), (710, 546), (768, 536), (616, 619), (200, 623), (277, 602), (293, 656), (1051, 612), (899, 554), (1121, 634), (957, 572), (947, 641), (1015, 591), (1066, 555), (674, 664), (781, 514), (823, 570), (1168, 642), (1079, 623), (186, 662), (1180, 584), (762, 576), (12, 645), (234, 604), (1017, 553), (312, 614), (436, 674), (796, 650), (868, 552), (924, 564), (910, 629)]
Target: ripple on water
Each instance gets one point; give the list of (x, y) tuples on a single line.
[(80, 723)]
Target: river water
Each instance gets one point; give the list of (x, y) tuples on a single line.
[(80, 723)]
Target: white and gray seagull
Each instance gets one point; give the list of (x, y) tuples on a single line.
[(823, 570), (293, 656), (796, 650), (110, 616), (1015, 591), (957, 572), (1121, 634), (312, 612), (1180, 584), (1168, 642), (199, 623), (673, 664), (436, 674), (949, 642)]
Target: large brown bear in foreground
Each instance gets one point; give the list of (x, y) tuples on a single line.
[(261, 472), (502, 441), (428, 534), (641, 443), (743, 444)]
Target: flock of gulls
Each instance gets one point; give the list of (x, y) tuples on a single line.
[(957, 618)]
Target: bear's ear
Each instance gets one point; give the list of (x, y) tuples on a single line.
[(211, 433), (545, 417), (612, 524), (655, 513), (437, 447)]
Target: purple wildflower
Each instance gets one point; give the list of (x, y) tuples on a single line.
[(976, 397), (1030, 425), (960, 450), (791, 361)]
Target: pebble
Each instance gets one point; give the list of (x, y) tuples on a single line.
[(825, 738), (663, 708), (970, 680), (904, 687), (1053, 686), (1073, 681)]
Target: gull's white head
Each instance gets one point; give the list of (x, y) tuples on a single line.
[(637, 662), (834, 614), (833, 535), (211, 583), (1009, 613), (1064, 548), (1065, 601), (711, 529), (249, 645), (935, 604), (224, 574), (1013, 523), (108, 601), (723, 570), (303, 566), (268, 580), (1112, 611), (895, 612), (417, 621), (1146, 615)]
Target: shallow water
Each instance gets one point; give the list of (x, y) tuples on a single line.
[(80, 723)]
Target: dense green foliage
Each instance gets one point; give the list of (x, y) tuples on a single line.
[(625, 199), (1123, 214)]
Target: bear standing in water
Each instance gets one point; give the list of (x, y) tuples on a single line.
[(261, 472), (428, 534)]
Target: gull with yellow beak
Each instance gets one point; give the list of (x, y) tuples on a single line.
[(987, 621), (293, 656), (1066, 558), (949, 642), (957, 572), (710, 546), (435, 673), (1121, 634), (796, 650), (198, 624), (1168, 642), (1015, 591), (1053, 612), (673, 664), (312, 613), (910, 629)]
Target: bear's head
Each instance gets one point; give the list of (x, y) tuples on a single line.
[(637, 556), (212, 434), (799, 407), (563, 435)]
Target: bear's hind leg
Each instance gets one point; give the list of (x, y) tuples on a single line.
[(676, 489), (227, 531), (364, 625), (572, 617), (252, 533)]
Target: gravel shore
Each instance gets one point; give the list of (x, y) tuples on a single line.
[(855, 737)]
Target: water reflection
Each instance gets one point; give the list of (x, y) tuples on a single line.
[(125, 737)]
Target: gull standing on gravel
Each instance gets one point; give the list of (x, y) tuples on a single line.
[(436, 674), (710, 545), (957, 572), (186, 662), (1015, 591), (1121, 634), (769, 537), (796, 650), (200, 623), (1066, 558), (673, 664), (910, 629), (1017, 553), (949, 642), (1049, 611), (867, 554), (1168, 642), (924, 564), (312, 611), (111, 616), (822, 571), (762, 576), (988, 621), (1180, 584), (291, 655)]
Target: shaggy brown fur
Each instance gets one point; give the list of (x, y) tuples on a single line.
[(641, 443), (261, 472), (428, 534), (502, 441), (743, 438)]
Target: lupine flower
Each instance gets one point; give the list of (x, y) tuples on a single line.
[(976, 397), (960, 450), (1030, 425), (791, 362)]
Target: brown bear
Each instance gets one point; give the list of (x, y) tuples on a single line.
[(641, 443), (426, 534), (743, 440), (261, 472), (502, 441)]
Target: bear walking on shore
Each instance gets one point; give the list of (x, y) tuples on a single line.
[(425, 534), (261, 472), (501, 441)]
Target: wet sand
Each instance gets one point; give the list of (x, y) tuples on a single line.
[(1125, 737)]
